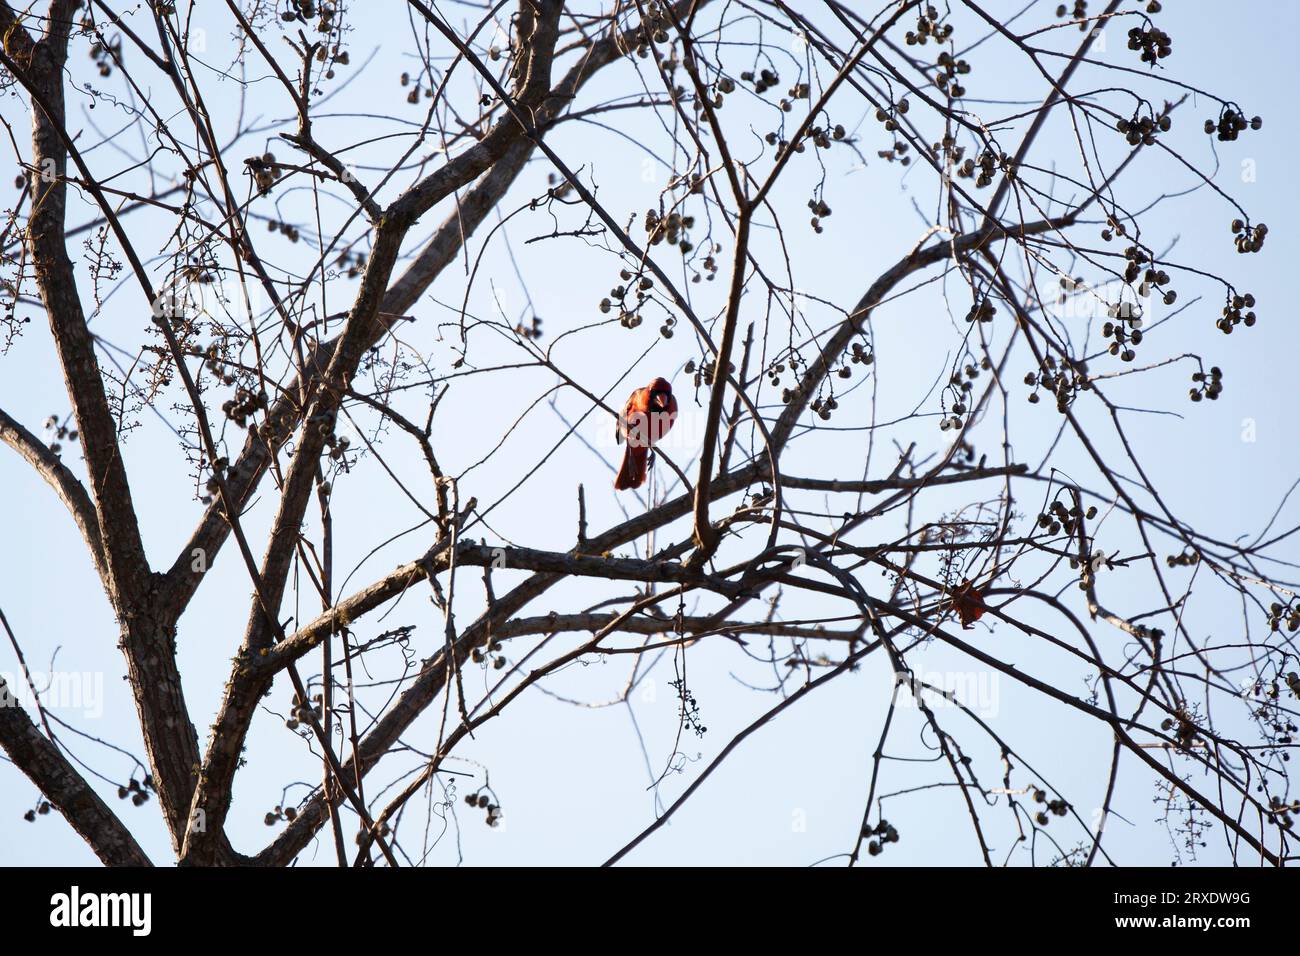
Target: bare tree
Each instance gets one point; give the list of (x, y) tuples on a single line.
[(255, 256)]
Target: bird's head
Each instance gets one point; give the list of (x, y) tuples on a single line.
[(660, 394)]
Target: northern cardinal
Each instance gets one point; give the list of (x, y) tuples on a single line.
[(646, 418)]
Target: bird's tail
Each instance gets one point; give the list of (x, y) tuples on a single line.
[(632, 473)]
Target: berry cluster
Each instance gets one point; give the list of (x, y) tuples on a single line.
[(988, 161), (1112, 229), (1275, 716), (1246, 238), (1058, 516), (59, 432), (629, 318), (1290, 613), (413, 97), (765, 80), (245, 405), (1207, 386), (672, 227), (353, 262), (1230, 124), (1154, 43), (822, 407), (897, 154), (880, 834), (688, 708), (822, 138), (1183, 726), (479, 656), (532, 331), (858, 355), (335, 55), (958, 388), (213, 486), (952, 155), (928, 28), (704, 374), (1089, 565), (264, 170), (303, 10), (300, 713), (288, 814), (1064, 380), (774, 371), (949, 69), (1057, 807), (982, 311), (483, 801), (105, 54), (1233, 315), (1137, 259), (1125, 334), (887, 120), (797, 92), (1141, 130), (337, 444), (136, 790), (819, 212), (42, 808), (1079, 12), (710, 265), (1184, 559), (1068, 287), (287, 230), (655, 26)]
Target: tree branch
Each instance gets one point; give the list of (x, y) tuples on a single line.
[(58, 476), (40, 759)]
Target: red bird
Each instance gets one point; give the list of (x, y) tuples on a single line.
[(646, 418)]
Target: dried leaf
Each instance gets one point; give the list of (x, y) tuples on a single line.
[(968, 600)]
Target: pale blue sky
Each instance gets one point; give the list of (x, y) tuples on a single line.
[(573, 780)]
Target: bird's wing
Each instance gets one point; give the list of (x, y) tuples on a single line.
[(629, 409), (621, 428)]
